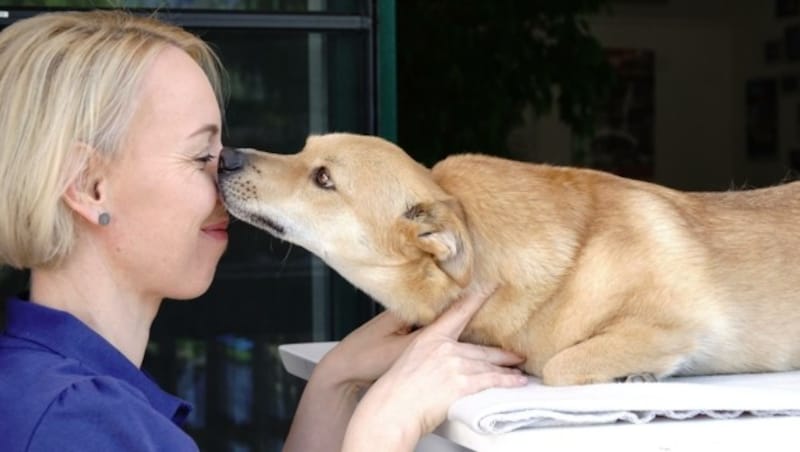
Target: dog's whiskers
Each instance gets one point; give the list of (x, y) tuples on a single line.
[(286, 256)]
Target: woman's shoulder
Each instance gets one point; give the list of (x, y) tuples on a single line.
[(32, 369), (88, 413), (48, 400), (36, 373), (35, 380)]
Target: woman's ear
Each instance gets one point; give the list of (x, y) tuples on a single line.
[(86, 193)]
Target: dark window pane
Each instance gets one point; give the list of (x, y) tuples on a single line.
[(282, 6)]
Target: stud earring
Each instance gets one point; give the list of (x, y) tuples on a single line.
[(104, 218)]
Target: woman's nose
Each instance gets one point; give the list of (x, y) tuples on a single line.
[(230, 160)]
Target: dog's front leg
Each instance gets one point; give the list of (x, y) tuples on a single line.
[(617, 353)]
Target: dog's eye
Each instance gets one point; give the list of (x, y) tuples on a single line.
[(322, 177)]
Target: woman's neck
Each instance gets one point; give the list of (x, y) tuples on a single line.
[(118, 314)]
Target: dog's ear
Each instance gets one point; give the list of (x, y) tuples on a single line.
[(438, 228)]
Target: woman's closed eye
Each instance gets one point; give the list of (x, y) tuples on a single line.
[(205, 159)]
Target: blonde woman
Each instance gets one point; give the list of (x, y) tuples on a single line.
[(109, 142)]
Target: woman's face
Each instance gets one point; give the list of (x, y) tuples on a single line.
[(168, 228)]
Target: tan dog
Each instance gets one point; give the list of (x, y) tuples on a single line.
[(599, 277)]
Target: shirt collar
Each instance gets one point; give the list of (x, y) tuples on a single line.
[(67, 336)]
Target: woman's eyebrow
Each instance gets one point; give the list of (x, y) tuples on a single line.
[(212, 129)]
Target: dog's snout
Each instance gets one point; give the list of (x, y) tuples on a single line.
[(230, 159)]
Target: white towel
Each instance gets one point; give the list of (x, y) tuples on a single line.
[(535, 405)]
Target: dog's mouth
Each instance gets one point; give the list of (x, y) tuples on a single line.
[(259, 221), (266, 224)]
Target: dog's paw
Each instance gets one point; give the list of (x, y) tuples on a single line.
[(645, 377)]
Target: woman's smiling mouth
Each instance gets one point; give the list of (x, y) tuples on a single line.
[(218, 230)]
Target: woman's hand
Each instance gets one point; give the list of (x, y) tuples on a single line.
[(413, 397), (367, 352)]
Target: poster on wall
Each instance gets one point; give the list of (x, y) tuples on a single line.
[(623, 141), (762, 118)]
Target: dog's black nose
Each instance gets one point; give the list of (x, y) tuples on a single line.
[(230, 160)]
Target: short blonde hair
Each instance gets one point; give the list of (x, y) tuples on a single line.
[(68, 90)]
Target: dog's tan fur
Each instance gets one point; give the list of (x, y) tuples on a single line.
[(599, 277)]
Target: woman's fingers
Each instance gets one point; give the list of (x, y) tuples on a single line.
[(491, 355), (453, 321), (468, 359), (366, 353), (497, 378)]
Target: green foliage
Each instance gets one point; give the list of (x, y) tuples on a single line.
[(466, 68)]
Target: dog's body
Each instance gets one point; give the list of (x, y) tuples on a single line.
[(599, 277)]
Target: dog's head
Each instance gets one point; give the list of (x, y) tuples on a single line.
[(362, 205)]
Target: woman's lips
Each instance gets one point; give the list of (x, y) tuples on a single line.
[(217, 230)]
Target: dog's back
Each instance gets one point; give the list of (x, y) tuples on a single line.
[(754, 238), (726, 265)]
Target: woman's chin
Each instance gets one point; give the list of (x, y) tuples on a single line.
[(190, 291)]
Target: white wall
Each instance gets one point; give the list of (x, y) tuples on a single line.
[(705, 50)]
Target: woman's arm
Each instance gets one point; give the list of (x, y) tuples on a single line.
[(322, 415), (338, 381)]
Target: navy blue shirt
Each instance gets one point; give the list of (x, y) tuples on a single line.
[(63, 387)]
